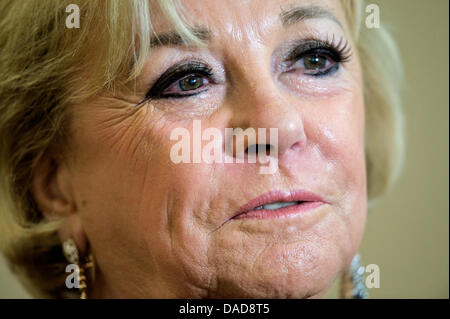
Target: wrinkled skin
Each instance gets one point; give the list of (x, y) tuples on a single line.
[(160, 229)]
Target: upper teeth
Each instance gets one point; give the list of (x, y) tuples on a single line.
[(277, 205)]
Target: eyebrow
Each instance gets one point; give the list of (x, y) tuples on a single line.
[(288, 17), (173, 38), (297, 14)]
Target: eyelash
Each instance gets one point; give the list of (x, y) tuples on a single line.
[(339, 52), (176, 74)]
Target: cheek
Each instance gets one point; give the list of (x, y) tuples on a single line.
[(138, 204), (334, 125), (340, 138), (122, 181)]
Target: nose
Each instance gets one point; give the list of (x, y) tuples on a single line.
[(260, 105)]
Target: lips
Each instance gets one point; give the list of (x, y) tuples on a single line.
[(279, 204)]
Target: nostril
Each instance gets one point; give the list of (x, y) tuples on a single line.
[(299, 144), (256, 148)]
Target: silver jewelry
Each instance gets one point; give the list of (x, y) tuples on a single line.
[(357, 271), (70, 251)]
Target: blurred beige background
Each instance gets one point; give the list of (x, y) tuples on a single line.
[(407, 234)]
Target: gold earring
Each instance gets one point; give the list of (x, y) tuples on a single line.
[(72, 255)]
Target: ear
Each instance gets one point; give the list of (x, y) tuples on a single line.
[(52, 190)]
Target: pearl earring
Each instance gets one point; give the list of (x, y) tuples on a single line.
[(72, 255)]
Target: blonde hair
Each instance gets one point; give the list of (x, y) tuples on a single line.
[(45, 67)]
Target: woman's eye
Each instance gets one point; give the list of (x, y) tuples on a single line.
[(190, 83), (318, 58), (314, 62), (182, 80), (317, 64)]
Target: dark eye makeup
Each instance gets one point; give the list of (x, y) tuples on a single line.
[(318, 58), (314, 57), (189, 72)]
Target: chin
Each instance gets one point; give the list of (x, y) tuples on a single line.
[(291, 271), (277, 287)]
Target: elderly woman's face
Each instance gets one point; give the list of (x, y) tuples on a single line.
[(163, 229)]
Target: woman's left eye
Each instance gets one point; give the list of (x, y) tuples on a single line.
[(317, 64), (318, 58)]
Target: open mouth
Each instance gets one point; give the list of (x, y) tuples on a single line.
[(279, 204)]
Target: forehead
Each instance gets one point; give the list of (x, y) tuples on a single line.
[(241, 18)]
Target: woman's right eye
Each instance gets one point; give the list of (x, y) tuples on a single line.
[(184, 80), (187, 86)]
